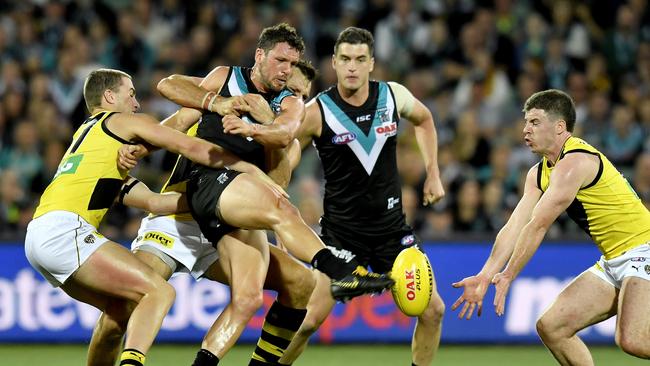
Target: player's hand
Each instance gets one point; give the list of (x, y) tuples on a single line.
[(259, 108), (433, 190), (237, 126), (474, 289), (501, 283), (128, 155), (235, 105)]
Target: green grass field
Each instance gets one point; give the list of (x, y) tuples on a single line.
[(358, 355)]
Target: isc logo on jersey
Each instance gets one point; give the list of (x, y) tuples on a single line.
[(387, 129), (344, 138), (413, 281)]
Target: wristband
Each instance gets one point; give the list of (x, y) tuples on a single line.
[(212, 102), (206, 98)]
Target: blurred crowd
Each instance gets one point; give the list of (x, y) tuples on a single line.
[(473, 63)]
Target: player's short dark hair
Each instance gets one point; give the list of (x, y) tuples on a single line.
[(279, 33), (354, 35), (554, 102), (97, 82), (307, 69)]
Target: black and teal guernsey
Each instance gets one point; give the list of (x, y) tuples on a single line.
[(238, 82), (357, 147)]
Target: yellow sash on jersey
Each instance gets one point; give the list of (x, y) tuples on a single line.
[(87, 180)]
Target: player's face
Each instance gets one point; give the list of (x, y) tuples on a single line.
[(299, 84), (276, 65), (540, 131), (353, 65), (125, 100)]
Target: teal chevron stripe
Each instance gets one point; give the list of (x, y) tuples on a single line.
[(366, 141), (241, 82)]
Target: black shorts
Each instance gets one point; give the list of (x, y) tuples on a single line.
[(377, 252), (204, 188)]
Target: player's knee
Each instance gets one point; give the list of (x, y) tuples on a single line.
[(247, 303), (435, 311), (166, 292), (549, 328), (633, 344)]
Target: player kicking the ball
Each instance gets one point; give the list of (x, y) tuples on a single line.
[(353, 126)]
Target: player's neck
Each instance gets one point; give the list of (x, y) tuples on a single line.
[(256, 78), (355, 97), (554, 155)]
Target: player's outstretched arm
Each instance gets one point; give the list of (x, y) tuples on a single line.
[(475, 287), (136, 194), (572, 172), (412, 109)]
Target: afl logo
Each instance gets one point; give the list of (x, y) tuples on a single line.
[(344, 138)]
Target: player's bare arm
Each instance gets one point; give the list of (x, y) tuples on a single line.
[(201, 94), (279, 133), (475, 287), (417, 113), (574, 171), (138, 127), (136, 194)]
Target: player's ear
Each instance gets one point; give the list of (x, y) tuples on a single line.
[(372, 64), (560, 127), (334, 61), (259, 55), (109, 96)]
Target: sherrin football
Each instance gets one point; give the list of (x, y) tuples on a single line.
[(413, 281)]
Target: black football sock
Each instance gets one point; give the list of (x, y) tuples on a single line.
[(280, 325), (205, 358), (332, 266)]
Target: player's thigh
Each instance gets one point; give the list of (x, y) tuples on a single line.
[(155, 262), (220, 269), (249, 203), (242, 263), (633, 311), (115, 271), (587, 300)]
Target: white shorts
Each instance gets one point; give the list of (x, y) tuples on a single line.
[(58, 243), (181, 240), (635, 262)]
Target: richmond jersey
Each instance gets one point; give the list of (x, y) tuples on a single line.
[(608, 209), (357, 147), (238, 82), (87, 180)]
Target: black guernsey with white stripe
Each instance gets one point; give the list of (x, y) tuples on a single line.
[(357, 147), (210, 127)]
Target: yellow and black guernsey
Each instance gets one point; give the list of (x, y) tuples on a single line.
[(177, 181), (608, 209), (87, 180)]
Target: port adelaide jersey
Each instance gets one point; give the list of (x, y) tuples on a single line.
[(357, 147), (238, 82)]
